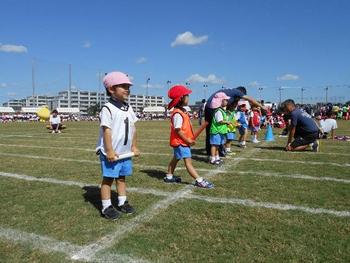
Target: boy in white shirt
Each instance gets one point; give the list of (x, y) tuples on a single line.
[(328, 126), (117, 136)]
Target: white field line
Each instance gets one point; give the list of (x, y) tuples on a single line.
[(89, 251), (49, 135), (294, 161), (47, 245), (294, 176), (43, 243), (79, 184), (251, 203), (238, 201), (164, 168)]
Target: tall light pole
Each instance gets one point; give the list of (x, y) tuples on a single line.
[(147, 84), (280, 93), (302, 95), (168, 84), (187, 83), (326, 89), (33, 82), (70, 86), (205, 86), (260, 89)]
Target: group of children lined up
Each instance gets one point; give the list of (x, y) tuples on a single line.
[(227, 119), (118, 136)]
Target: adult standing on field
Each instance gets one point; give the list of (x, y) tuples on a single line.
[(235, 95)]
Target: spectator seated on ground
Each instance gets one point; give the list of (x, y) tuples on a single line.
[(55, 122), (328, 126)]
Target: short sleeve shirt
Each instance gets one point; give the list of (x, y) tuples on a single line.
[(177, 121), (303, 123), (121, 120)]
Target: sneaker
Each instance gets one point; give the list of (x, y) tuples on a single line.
[(204, 184), (111, 213), (59, 131), (216, 162), (175, 179), (316, 146), (255, 141), (53, 132), (126, 208)]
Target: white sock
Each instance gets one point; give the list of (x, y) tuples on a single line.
[(228, 149), (169, 176), (121, 200), (199, 179), (105, 204), (212, 159), (217, 158), (243, 142)]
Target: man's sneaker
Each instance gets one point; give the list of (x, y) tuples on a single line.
[(204, 184), (110, 213), (316, 146), (175, 179), (126, 208)]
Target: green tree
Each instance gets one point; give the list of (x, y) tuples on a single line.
[(93, 109)]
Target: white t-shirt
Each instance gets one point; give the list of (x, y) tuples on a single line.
[(55, 120), (177, 121), (122, 123), (328, 125), (218, 116)]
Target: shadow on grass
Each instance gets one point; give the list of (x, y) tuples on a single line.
[(271, 148), (92, 195), (157, 174)]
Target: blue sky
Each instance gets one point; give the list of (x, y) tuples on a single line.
[(261, 43)]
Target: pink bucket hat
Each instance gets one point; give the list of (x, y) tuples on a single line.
[(115, 78), (217, 100)]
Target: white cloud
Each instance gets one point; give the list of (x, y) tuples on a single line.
[(188, 38), (11, 94), (13, 48), (87, 44), (141, 60), (254, 84), (211, 79), (3, 85), (153, 86), (288, 77)]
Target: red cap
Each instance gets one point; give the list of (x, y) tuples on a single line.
[(176, 93)]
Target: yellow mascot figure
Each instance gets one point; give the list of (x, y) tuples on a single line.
[(43, 113)]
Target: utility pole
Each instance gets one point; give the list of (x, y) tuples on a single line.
[(147, 83), (168, 84), (302, 95), (260, 89), (326, 89), (33, 82), (70, 86), (205, 86), (99, 89)]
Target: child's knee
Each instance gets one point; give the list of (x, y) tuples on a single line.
[(107, 181)]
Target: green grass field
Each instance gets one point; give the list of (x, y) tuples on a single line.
[(267, 206)]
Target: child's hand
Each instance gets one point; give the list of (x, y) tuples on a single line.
[(191, 142), (135, 150), (111, 156)]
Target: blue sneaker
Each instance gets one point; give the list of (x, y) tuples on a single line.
[(204, 184), (175, 179)]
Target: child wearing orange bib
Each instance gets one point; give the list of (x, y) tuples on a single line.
[(182, 137)]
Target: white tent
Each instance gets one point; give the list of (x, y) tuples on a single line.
[(155, 109), (187, 108), (6, 110), (29, 109), (68, 110)]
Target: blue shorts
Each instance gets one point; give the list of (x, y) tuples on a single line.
[(115, 169), (255, 129), (217, 139), (231, 136), (182, 152), (242, 130)]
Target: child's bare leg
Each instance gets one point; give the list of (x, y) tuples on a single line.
[(106, 188), (213, 150), (190, 168), (121, 189), (172, 165)]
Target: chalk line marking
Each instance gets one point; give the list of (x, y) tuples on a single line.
[(277, 206)]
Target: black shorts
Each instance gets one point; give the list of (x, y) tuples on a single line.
[(304, 140)]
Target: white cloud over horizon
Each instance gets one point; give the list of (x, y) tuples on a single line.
[(210, 79), (3, 85), (141, 60), (13, 48), (288, 77), (86, 44), (187, 38)]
